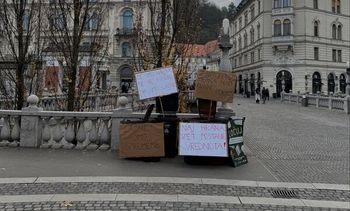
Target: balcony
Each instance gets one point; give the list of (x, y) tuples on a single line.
[(125, 32), (283, 11), (283, 42)]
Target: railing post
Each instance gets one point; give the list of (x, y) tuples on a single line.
[(30, 135), (122, 103), (297, 99), (317, 101), (330, 100), (347, 104), (282, 96)]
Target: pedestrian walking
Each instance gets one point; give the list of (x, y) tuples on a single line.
[(263, 93), (268, 94), (257, 95)]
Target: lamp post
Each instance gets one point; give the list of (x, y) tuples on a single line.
[(348, 78), (283, 82)]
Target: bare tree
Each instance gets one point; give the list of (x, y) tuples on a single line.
[(20, 20), (77, 34), (172, 22)]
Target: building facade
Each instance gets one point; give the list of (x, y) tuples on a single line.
[(291, 45), (115, 68)]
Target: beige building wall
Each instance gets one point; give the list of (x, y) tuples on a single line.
[(294, 53)]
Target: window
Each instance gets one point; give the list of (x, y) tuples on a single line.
[(338, 6), (316, 53), (236, 27), (245, 37), (127, 21), (277, 4), (315, 4), (25, 22), (235, 45), (259, 54), (240, 43), (245, 59), (126, 49), (277, 28), (286, 27), (286, 3), (334, 31), (333, 6), (252, 57), (316, 29), (240, 22), (339, 32), (339, 56), (240, 61), (252, 36), (94, 22), (259, 7), (252, 12), (245, 18), (58, 22), (334, 55), (258, 29)]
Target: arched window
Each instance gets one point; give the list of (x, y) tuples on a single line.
[(342, 83), (127, 21), (126, 49), (334, 31), (94, 22), (339, 32), (277, 28), (316, 29), (286, 27), (245, 37), (316, 83), (331, 83), (252, 36)]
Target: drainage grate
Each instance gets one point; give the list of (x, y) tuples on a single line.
[(287, 194)]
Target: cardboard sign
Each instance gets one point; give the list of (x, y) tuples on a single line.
[(217, 86), (236, 146), (202, 139), (155, 83), (141, 140)]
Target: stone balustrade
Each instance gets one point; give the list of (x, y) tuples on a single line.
[(35, 127), (332, 103)]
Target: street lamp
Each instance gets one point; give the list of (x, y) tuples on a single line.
[(283, 82), (348, 78)]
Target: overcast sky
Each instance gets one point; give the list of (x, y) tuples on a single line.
[(222, 3)]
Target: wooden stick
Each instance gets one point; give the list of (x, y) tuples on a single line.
[(211, 104), (161, 106)]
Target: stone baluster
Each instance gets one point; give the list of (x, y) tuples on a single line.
[(58, 133), (46, 133), (69, 134), (122, 103), (30, 130), (81, 135), (105, 135), (15, 134), (93, 136), (5, 133)]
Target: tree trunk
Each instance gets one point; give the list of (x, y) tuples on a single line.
[(162, 33)]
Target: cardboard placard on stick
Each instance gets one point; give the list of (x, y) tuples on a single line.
[(139, 140), (217, 86)]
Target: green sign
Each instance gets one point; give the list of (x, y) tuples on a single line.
[(235, 135)]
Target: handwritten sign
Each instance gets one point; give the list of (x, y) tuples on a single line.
[(217, 86), (202, 139), (141, 140), (155, 83)]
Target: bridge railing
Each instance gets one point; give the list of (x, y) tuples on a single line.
[(330, 102), (34, 127)]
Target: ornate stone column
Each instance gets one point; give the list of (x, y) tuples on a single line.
[(225, 63)]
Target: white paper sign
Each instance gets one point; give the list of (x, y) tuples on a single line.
[(203, 139), (155, 83)]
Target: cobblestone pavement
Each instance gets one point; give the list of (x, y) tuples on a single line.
[(167, 188), (136, 206), (297, 144)]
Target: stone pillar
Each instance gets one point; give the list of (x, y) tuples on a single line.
[(31, 127), (347, 98), (122, 103), (225, 63)]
